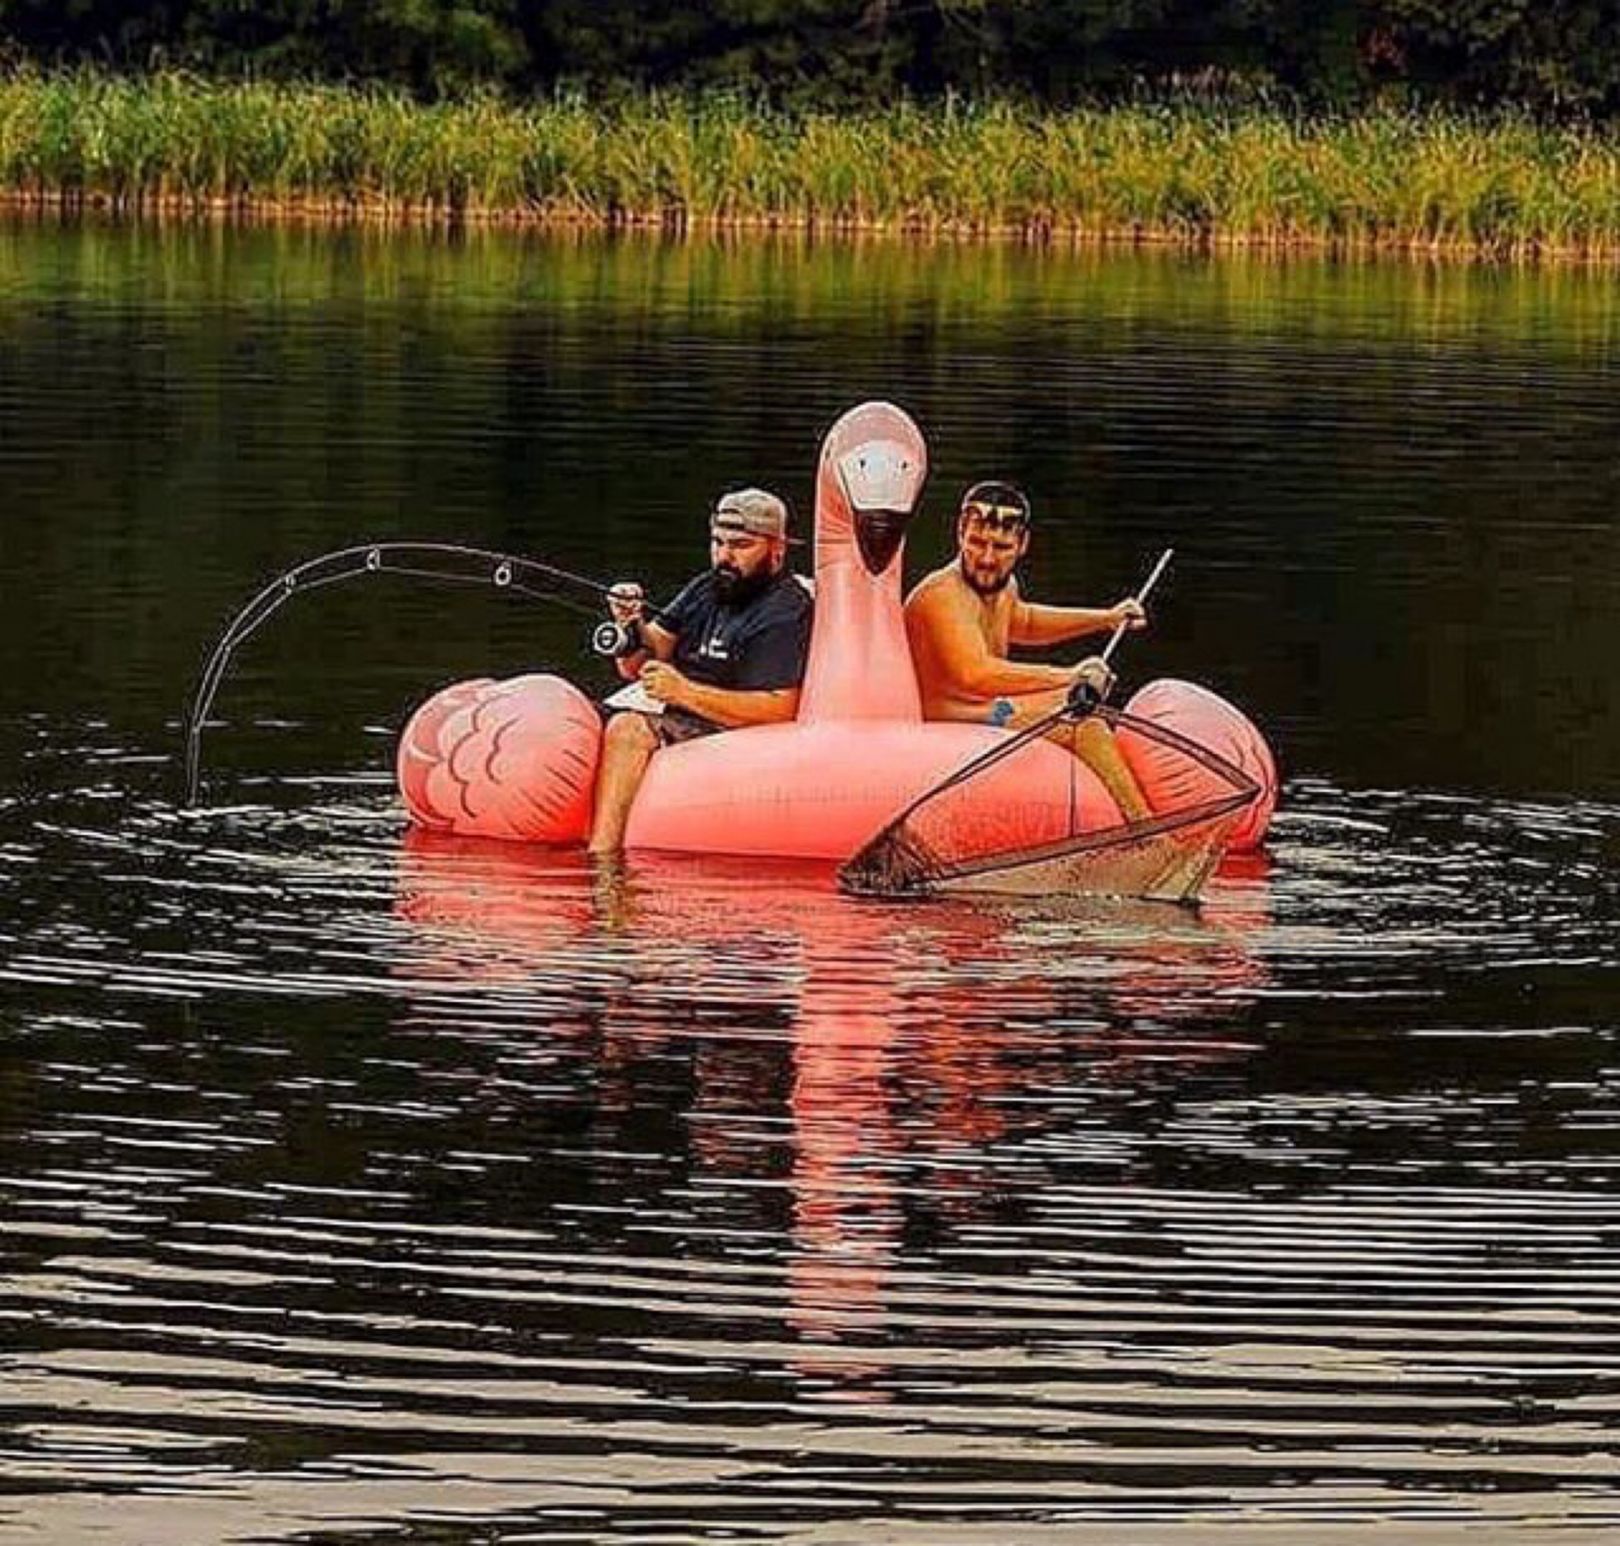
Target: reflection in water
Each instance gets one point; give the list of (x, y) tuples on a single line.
[(356, 1183), (722, 281), (911, 1032)]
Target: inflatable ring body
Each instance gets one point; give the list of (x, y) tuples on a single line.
[(518, 759), (819, 791), (859, 751)]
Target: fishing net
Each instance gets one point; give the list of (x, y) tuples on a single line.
[(961, 836)]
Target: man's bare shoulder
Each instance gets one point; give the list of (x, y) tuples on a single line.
[(942, 588)]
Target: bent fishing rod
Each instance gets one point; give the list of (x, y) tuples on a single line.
[(450, 562)]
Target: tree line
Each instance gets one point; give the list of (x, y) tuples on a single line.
[(1559, 56)]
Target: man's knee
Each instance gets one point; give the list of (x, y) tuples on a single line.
[(1093, 735), (629, 735), (1085, 736), (1088, 739)]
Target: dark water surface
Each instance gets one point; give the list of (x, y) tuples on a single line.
[(358, 1188)]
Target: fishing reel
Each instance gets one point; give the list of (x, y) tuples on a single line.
[(613, 640)]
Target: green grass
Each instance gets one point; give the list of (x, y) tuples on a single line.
[(1193, 172)]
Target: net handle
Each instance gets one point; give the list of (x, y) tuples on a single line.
[(1139, 598)]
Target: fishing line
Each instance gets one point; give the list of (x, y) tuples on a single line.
[(450, 562)]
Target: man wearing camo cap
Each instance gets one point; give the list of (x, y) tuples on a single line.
[(729, 651)]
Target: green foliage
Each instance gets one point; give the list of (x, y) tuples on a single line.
[(1190, 170), (431, 46)]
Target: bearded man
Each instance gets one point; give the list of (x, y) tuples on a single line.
[(963, 619), (729, 651)]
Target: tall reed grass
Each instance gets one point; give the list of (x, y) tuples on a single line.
[(1191, 172)]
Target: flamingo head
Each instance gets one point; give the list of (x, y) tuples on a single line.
[(873, 465)]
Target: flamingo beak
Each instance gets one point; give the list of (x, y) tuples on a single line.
[(882, 482)]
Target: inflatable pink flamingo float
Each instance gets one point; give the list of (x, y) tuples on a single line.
[(517, 759)]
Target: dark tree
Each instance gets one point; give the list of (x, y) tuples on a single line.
[(1558, 55)]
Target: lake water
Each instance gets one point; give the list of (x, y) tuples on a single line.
[(356, 1188)]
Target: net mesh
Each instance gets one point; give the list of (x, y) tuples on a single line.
[(943, 843)]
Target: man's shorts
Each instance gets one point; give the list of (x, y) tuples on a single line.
[(676, 725)]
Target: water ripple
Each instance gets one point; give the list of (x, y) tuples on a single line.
[(359, 1178)]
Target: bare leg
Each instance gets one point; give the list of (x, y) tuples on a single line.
[(628, 745), (1093, 743)]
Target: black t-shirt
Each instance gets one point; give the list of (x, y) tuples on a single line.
[(755, 647)]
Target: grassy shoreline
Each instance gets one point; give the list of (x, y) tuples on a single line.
[(1193, 174)]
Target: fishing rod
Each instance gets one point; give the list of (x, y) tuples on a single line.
[(447, 561)]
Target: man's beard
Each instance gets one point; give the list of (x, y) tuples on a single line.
[(994, 588), (733, 588)]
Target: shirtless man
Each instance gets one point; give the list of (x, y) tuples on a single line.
[(962, 619)]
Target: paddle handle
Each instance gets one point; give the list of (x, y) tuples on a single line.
[(1141, 596)]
